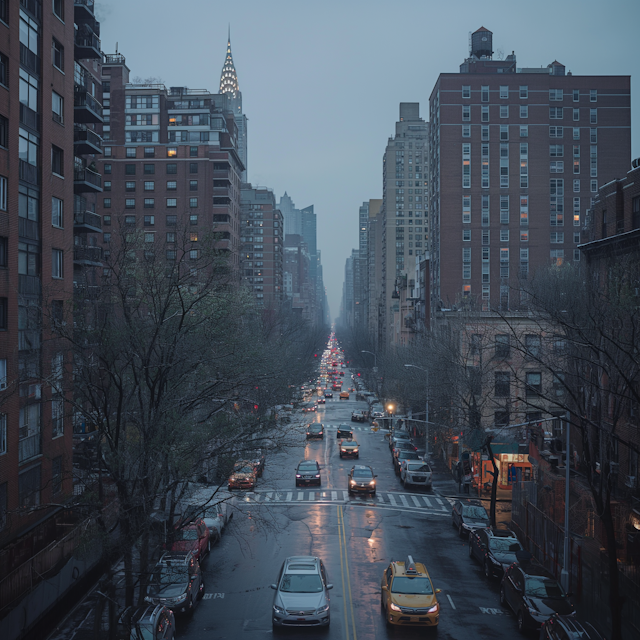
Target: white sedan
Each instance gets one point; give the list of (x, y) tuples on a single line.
[(415, 472)]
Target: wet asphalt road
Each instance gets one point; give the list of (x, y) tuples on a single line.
[(356, 538)]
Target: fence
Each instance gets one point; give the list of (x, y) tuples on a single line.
[(588, 566)]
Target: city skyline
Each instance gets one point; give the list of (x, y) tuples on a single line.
[(313, 76)]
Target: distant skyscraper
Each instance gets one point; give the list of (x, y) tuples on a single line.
[(291, 215), (231, 89)]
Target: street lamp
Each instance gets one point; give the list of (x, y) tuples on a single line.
[(426, 409), (390, 408)]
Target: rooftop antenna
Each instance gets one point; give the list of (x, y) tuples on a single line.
[(116, 47), (470, 45)]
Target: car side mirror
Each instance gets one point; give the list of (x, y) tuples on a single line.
[(329, 586), (384, 587), (438, 590), (273, 586), (375, 476)]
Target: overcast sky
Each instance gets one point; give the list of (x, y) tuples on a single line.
[(321, 81)]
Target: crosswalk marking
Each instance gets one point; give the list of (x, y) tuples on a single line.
[(300, 495), (334, 495), (392, 500), (404, 501), (289, 496), (427, 501), (415, 501)]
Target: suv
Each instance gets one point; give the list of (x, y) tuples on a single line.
[(532, 593), (468, 516), (176, 582), (308, 472), (358, 416), (344, 433), (495, 549), (407, 595), (302, 594), (362, 479), (315, 430), (415, 472), (192, 536), (349, 448)]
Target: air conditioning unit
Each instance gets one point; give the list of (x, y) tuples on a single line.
[(631, 482)]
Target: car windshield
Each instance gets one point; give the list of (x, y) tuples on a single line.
[(543, 588), (315, 427), (301, 583), (408, 455), (170, 575), (422, 468), (245, 469), (349, 443), (187, 534), (474, 513), (307, 466), (412, 586), (362, 473), (504, 545)]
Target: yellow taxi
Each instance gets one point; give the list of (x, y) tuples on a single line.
[(407, 595), (344, 395)]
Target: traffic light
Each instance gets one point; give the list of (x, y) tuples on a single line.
[(315, 355)]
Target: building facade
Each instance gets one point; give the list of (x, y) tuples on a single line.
[(517, 154), (404, 211)]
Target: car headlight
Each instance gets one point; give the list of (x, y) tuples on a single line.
[(317, 475), (298, 475), (352, 481), (343, 450), (394, 607), (181, 598), (322, 610), (372, 483), (434, 609), (355, 450), (278, 609)]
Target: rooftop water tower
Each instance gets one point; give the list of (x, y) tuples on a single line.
[(482, 43)]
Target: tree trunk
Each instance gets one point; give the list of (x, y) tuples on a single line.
[(494, 483), (615, 599), (128, 572), (144, 565)]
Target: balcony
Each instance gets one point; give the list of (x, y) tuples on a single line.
[(220, 191), (86, 255), (220, 175), (87, 43), (29, 118), (29, 447), (86, 140), (85, 107), (86, 180), (28, 172), (86, 221), (83, 10), (29, 285)]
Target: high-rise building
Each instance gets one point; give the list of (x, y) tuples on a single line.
[(291, 215), (517, 154), (404, 208), (373, 269), (170, 161), (261, 249), (230, 89)]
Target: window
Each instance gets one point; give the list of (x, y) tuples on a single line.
[(484, 129), (130, 221), (172, 168), (524, 91), (130, 203), (107, 169), (106, 203), (171, 237), (57, 263), (172, 203), (504, 235), (466, 131), (484, 115), (576, 95), (466, 165), (3, 193), (29, 488), (193, 167), (593, 116), (576, 183), (555, 113), (557, 237), (504, 132), (57, 417), (149, 221), (149, 203), (4, 304), (172, 221), (193, 254), (532, 345), (106, 237), (504, 110), (193, 152), (524, 131), (484, 93), (172, 185), (556, 256), (466, 235), (502, 384), (593, 136), (504, 92), (193, 203), (131, 152), (556, 150), (534, 384), (149, 169), (149, 152), (56, 475), (56, 212), (106, 221), (635, 213), (593, 95), (129, 169), (503, 348), (524, 111), (57, 107), (4, 70), (466, 112), (466, 91), (150, 237), (171, 254), (556, 166), (594, 186), (172, 152), (57, 54), (193, 219), (149, 186), (3, 450), (556, 132), (130, 186), (57, 160), (466, 263), (466, 209), (504, 209), (4, 252), (556, 94), (576, 115)]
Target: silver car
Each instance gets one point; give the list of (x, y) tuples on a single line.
[(302, 594), (415, 472)]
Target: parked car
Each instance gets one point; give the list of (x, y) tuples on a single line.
[(349, 449), (495, 549), (362, 480), (402, 445), (315, 430), (404, 455), (416, 472), (302, 594), (407, 596), (468, 516), (193, 537), (344, 432), (358, 416), (148, 622), (532, 593), (308, 472), (243, 476), (176, 582), (214, 506), (398, 436), (559, 627)]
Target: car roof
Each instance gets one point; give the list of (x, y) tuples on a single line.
[(304, 564), (172, 559), (501, 533), (309, 461), (361, 466), (400, 568)]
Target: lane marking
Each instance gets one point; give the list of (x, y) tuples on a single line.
[(268, 496), (453, 606), (348, 578)]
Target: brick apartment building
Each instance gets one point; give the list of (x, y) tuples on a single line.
[(262, 245), (170, 163), (516, 156), (48, 108)]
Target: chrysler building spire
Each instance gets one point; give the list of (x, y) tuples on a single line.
[(229, 77)]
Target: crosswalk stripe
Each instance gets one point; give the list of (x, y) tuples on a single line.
[(439, 502), (427, 501), (345, 495), (289, 496), (381, 498), (300, 495), (415, 501), (404, 501), (334, 495), (268, 497), (392, 500)]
